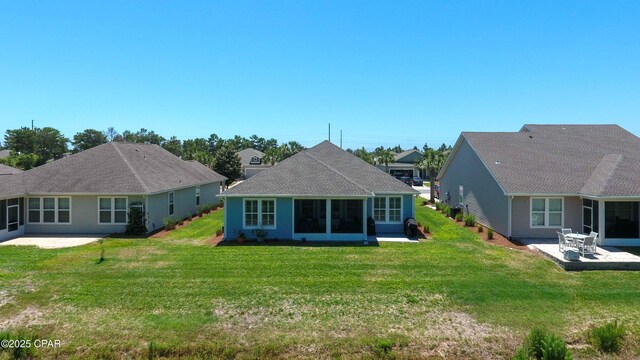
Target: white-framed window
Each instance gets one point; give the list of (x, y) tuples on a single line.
[(197, 195), (259, 213), (461, 194), (547, 212), (49, 210), (171, 203), (112, 210), (255, 160), (387, 209)]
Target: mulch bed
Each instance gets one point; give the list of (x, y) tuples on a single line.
[(497, 238)]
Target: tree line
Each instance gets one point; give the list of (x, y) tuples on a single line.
[(31, 147)]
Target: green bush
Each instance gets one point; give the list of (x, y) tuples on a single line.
[(446, 210), (181, 222), (137, 222), (480, 228), (608, 337), (200, 210), (427, 230), (169, 223), (459, 217), (469, 220), (543, 345), (438, 206), (490, 234)]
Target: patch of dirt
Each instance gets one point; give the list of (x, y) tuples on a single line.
[(5, 298), (27, 317), (215, 240)]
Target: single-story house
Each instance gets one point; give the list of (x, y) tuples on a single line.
[(531, 183), (323, 193), (404, 164), (91, 192), (4, 153), (251, 162)]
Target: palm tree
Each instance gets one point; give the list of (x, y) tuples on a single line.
[(432, 162), (385, 157)]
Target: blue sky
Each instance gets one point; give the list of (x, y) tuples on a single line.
[(393, 72)]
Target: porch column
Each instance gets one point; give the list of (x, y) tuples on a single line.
[(329, 219), (601, 224)]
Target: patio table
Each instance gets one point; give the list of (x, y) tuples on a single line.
[(576, 236)]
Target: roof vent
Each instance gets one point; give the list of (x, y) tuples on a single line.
[(530, 137), (497, 162), (564, 128)]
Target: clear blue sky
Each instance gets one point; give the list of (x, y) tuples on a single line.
[(393, 72)]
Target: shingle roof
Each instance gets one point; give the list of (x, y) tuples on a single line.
[(117, 168), (247, 154), (400, 155), (599, 160), (323, 170), (4, 153), (8, 170), (11, 185)]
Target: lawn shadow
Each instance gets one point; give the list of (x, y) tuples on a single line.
[(289, 242)]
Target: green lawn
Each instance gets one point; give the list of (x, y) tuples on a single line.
[(454, 296)]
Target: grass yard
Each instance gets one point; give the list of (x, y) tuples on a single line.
[(451, 297)]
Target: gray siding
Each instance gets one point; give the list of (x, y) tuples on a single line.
[(84, 219), (521, 218), (184, 204), (411, 158), (482, 195)]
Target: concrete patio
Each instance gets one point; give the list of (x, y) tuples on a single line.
[(606, 258), (53, 241)]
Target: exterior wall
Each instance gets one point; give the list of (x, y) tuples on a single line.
[(233, 219), (521, 218), (483, 197), (411, 158), (251, 171), (6, 234), (408, 210), (184, 204), (84, 218)]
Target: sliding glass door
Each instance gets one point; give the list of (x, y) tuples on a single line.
[(622, 220)]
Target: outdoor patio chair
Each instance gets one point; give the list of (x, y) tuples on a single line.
[(567, 231), (588, 245), (595, 236), (564, 242)]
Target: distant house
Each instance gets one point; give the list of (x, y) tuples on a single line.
[(91, 192), (8, 170), (323, 193), (4, 153), (531, 183), (404, 164), (251, 162)]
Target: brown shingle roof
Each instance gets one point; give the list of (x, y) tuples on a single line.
[(323, 170), (600, 160), (117, 168)]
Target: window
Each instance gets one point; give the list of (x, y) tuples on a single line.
[(546, 212), (171, 203), (49, 210), (255, 160), (3, 214), (387, 209), (259, 213), (590, 213), (197, 195), (112, 210), (461, 194)]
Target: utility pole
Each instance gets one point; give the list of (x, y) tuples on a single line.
[(329, 132), (340, 139), (31, 124)]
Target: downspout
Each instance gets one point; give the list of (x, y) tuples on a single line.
[(509, 215)]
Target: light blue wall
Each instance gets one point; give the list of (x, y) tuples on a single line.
[(407, 211), (284, 217)]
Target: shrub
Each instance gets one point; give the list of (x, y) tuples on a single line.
[(424, 202), (218, 232), (181, 222), (137, 222), (446, 210), (608, 337), (426, 229), (490, 234), (543, 345), (469, 220), (459, 217), (189, 217), (438, 206), (169, 223), (480, 228)]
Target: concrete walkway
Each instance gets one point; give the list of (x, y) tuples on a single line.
[(53, 242), (391, 238), (605, 258)]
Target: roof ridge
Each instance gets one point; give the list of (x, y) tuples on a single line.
[(338, 172), (135, 174), (609, 162)]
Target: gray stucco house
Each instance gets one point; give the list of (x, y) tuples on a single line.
[(530, 183), (323, 193), (251, 162), (91, 192)]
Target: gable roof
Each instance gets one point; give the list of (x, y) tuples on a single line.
[(597, 160), (323, 170), (247, 154), (117, 168), (401, 155)]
